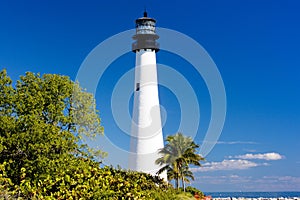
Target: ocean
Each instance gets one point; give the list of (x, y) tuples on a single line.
[(253, 194)]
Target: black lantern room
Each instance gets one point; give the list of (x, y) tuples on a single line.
[(145, 34)]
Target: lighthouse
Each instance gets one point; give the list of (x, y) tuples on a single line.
[(146, 128)]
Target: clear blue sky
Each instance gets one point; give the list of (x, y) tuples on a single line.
[(255, 44)]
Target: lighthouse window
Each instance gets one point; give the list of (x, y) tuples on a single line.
[(137, 87)]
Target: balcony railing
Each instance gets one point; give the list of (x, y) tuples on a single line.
[(145, 44)]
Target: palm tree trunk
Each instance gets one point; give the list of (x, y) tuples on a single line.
[(178, 176), (183, 185)]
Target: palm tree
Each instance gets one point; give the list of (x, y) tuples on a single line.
[(171, 174), (177, 155), (185, 175)]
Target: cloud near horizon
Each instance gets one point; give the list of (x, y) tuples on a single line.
[(240, 162), (260, 156), (249, 183), (228, 165)]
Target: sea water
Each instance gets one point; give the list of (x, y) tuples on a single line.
[(253, 194)]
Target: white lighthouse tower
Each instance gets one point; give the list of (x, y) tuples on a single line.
[(146, 129)]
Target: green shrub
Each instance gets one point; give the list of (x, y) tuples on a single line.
[(194, 191), (40, 153)]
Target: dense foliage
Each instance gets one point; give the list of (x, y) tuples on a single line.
[(43, 120), (194, 191), (88, 181)]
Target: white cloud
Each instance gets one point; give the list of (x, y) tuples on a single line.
[(250, 150), (260, 156), (240, 162), (227, 165), (282, 179), (236, 142), (229, 142)]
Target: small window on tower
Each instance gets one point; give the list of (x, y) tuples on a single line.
[(137, 87)]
